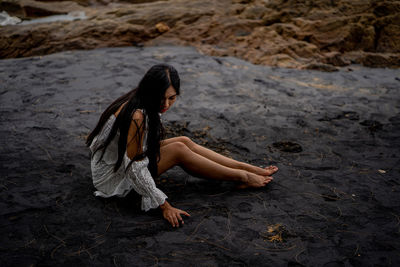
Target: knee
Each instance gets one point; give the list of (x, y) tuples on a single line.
[(186, 140), (180, 149)]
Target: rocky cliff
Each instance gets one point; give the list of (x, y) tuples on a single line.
[(320, 34)]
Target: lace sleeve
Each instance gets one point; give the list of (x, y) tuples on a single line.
[(143, 183)]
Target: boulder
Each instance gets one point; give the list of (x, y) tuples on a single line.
[(27, 9)]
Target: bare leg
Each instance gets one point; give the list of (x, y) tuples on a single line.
[(218, 158), (177, 153)]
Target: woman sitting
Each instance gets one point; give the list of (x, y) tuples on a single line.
[(128, 148)]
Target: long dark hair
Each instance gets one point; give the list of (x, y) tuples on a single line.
[(148, 95)]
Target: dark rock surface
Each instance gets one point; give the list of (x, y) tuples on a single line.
[(334, 203)]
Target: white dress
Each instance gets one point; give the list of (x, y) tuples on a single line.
[(120, 183)]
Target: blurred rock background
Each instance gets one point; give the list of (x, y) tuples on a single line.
[(318, 34)]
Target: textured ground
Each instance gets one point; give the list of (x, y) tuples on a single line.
[(335, 137)]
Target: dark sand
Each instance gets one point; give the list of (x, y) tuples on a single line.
[(335, 137)]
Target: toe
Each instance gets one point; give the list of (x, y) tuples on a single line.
[(272, 169), (267, 181)]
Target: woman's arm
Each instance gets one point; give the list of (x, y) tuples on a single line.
[(146, 185)]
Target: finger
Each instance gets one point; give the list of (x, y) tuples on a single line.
[(185, 213), (176, 221), (179, 217), (171, 222)]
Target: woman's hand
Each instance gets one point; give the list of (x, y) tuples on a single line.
[(173, 215)]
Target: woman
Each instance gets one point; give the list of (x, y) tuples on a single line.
[(128, 149)]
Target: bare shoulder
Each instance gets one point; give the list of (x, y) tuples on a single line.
[(138, 116), (136, 127)]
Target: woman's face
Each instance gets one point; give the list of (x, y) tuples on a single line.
[(169, 99)]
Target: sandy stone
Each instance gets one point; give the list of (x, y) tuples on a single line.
[(162, 27)]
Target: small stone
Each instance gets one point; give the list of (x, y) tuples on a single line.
[(286, 146), (382, 171), (162, 27)]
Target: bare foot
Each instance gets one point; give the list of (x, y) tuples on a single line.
[(270, 170), (254, 180), (267, 171)]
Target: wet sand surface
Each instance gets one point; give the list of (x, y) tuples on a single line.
[(335, 137)]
